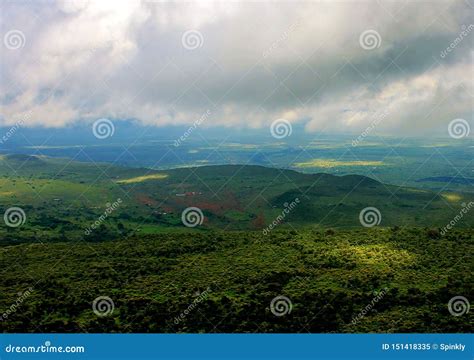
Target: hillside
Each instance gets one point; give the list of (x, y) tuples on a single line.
[(61, 198)]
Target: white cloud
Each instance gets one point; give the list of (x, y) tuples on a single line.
[(88, 59)]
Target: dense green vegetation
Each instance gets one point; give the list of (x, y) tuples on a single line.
[(223, 275), (329, 276)]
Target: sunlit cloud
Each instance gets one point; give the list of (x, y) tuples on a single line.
[(255, 63)]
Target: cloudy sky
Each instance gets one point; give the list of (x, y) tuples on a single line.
[(330, 66)]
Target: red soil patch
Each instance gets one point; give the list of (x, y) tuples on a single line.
[(217, 205), (259, 221), (146, 200)]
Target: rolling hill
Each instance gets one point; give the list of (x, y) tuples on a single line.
[(61, 198)]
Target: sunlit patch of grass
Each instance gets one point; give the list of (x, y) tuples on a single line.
[(7, 193), (451, 197), (243, 147), (28, 189), (139, 179), (343, 254), (325, 145), (369, 143), (436, 145), (381, 255), (417, 190), (240, 146), (330, 163)]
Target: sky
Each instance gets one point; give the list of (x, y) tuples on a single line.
[(401, 67)]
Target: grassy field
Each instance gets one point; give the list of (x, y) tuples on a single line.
[(333, 163)]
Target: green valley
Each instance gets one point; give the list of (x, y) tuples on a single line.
[(94, 229)]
